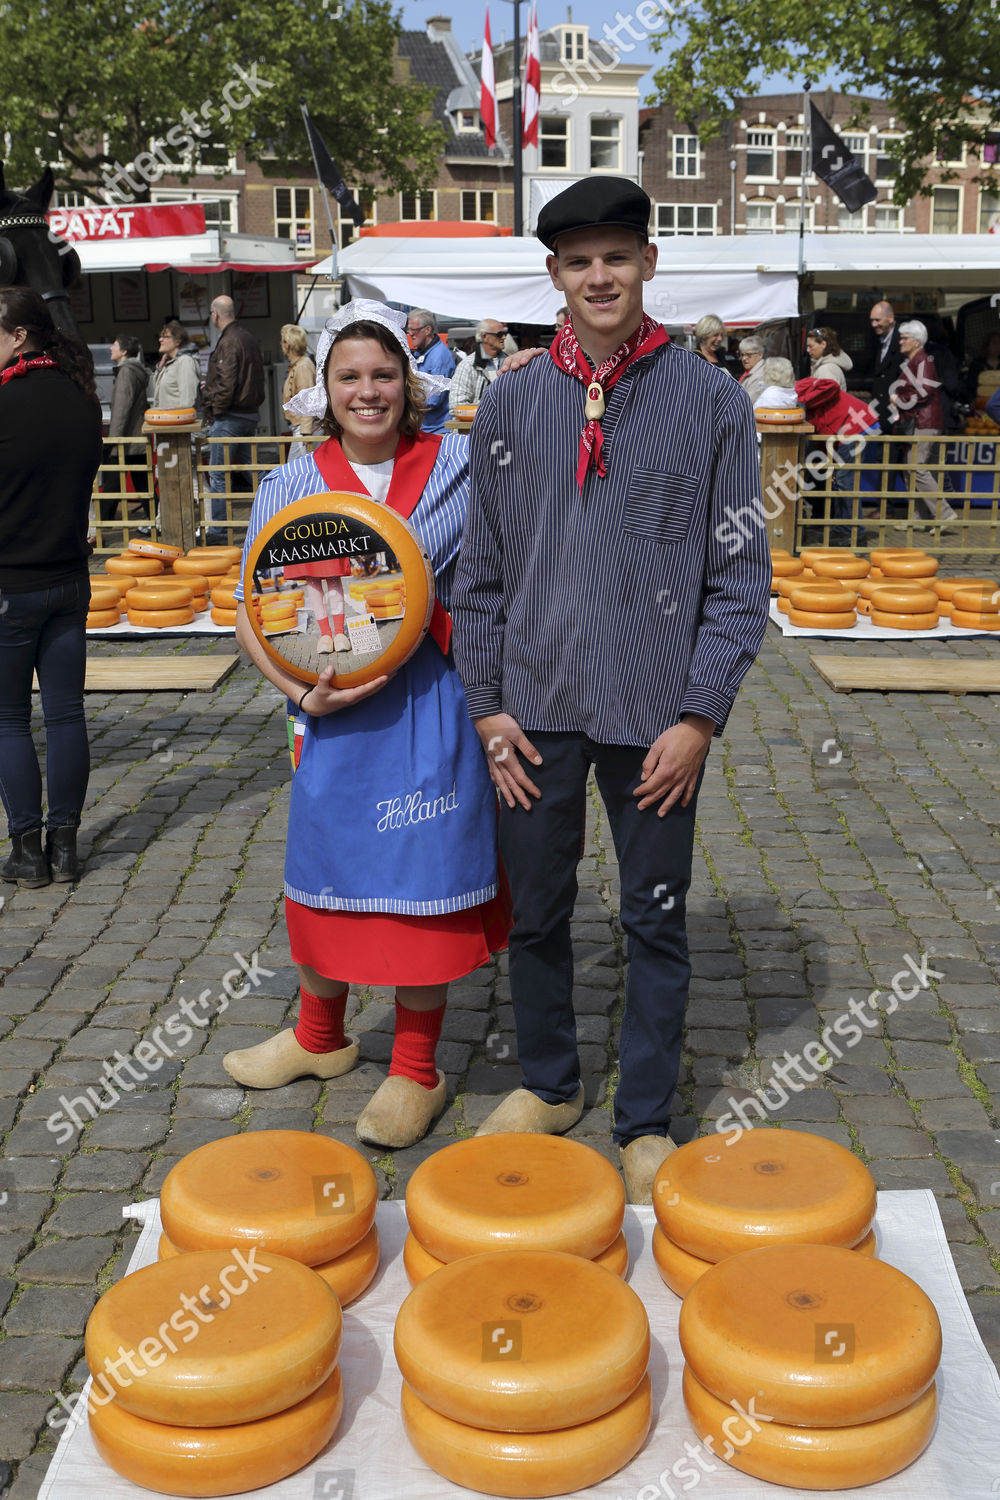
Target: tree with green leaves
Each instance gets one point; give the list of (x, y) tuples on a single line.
[(938, 61), (116, 94)]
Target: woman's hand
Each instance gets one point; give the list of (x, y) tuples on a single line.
[(324, 698), (519, 360)]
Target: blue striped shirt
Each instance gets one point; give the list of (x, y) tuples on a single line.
[(612, 612)]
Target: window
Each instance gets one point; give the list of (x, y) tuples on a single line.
[(951, 151), (849, 223), (418, 205), (989, 213), (468, 120), (686, 156), (760, 218), (78, 200), (606, 145), (888, 220), (221, 209), (347, 230), (209, 158), (857, 145), (946, 206), (684, 219), (793, 214), (293, 217), (760, 153), (553, 141), (479, 206), (991, 150), (885, 167), (574, 45)]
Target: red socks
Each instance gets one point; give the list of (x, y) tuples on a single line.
[(320, 1027), (417, 1035)]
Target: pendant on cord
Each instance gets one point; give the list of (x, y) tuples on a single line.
[(594, 408)]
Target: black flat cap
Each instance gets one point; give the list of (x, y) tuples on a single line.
[(595, 203)]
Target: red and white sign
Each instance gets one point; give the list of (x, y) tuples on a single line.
[(120, 222)]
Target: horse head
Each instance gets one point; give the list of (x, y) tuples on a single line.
[(31, 255)]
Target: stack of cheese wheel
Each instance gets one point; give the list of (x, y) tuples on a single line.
[(836, 1355), (190, 583), (121, 582), (386, 602), (161, 603), (104, 608), (844, 566), (131, 565), (278, 612), (524, 1372), (945, 590), (868, 587), (716, 1197), (296, 1194), (231, 1379), (162, 550), (224, 600), (904, 603), (976, 607), (783, 566), (878, 555), (517, 1191), (823, 606)]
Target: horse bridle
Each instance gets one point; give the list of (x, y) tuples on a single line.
[(34, 221)]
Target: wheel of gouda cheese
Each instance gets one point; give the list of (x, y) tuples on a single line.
[(223, 598), (522, 1340), (120, 581), (164, 1249), (818, 620), (867, 586), (970, 621), (979, 599), (206, 1461), (161, 619), (353, 1272), (494, 1192), (291, 1192), (821, 1336), (155, 549), (786, 567), (680, 1270), (904, 601), (809, 554), (945, 587), (419, 1262), (715, 1196), (201, 567), (877, 554), (810, 1458), (164, 596), (216, 1337), (134, 565), (824, 597), (841, 567), (104, 598), (529, 1463), (223, 616), (894, 621), (229, 555), (101, 619), (901, 566)]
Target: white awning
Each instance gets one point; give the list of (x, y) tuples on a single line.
[(134, 254)]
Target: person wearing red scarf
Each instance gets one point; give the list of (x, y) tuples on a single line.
[(602, 621)]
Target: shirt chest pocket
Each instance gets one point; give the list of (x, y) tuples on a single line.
[(659, 507)]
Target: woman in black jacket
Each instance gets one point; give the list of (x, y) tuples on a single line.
[(50, 451)]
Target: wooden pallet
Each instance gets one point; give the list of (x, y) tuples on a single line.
[(894, 674), (152, 674)]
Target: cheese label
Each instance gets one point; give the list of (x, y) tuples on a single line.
[(363, 634)]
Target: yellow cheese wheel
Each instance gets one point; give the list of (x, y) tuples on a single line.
[(201, 567), (779, 552), (821, 1336), (206, 1461), (717, 1196), (224, 553), (529, 1463), (104, 598), (348, 1275), (155, 549), (810, 1458), (878, 554), (223, 616), (164, 596), (291, 1192), (867, 586), (223, 598), (970, 621), (419, 1262), (945, 587), (134, 565), (216, 1337), (891, 620), (170, 416), (101, 619), (120, 581), (271, 614), (787, 567), (904, 601), (161, 619), (680, 1270), (818, 620), (824, 597), (494, 1192), (809, 554), (978, 599), (522, 1340), (909, 567), (165, 1248), (945, 609), (841, 567)]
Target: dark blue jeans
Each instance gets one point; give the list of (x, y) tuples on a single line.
[(44, 632), (237, 453), (541, 849)]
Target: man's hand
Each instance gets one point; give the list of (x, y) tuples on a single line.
[(325, 698), (502, 739), (520, 359), (670, 770)]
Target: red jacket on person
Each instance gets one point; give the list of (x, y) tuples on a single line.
[(832, 411), (917, 393)]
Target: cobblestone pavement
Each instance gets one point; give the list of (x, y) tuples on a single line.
[(837, 835)]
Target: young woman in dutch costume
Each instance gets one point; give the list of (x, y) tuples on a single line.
[(391, 862)]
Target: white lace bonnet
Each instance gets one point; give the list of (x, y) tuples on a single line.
[(314, 401)]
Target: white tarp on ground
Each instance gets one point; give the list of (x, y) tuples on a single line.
[(371, 1459), (864, 630)]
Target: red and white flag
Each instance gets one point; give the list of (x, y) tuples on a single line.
[(532, 82), (488, 92)]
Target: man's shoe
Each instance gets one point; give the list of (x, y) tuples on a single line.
[(26, 863), (277, 1061), (401, 1112), (524, 1111), (60, 848), (641, 1160)]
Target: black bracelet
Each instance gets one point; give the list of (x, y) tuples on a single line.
[(305, 695)]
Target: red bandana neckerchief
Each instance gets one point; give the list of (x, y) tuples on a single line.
[(25, 363), (565, 350)]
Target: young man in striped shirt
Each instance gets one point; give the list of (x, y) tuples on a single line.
[(605, 614)]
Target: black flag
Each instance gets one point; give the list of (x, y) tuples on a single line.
[(834, 164), (326, 171)]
